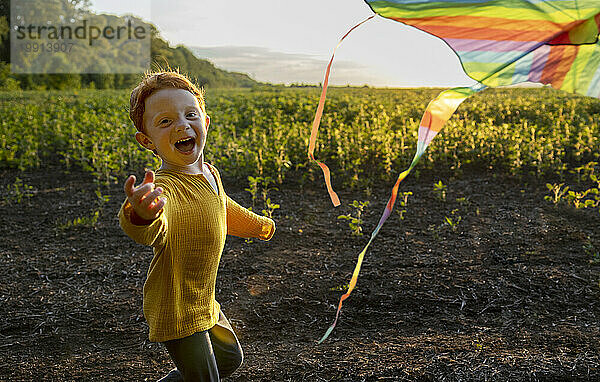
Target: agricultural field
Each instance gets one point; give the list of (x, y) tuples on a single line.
[(488, 269)]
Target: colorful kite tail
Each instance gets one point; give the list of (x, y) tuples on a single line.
[(317, 121), (437, 113)]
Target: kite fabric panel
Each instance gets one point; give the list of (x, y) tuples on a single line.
[(506, 42), (499, 43)]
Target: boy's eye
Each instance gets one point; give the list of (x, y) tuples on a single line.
[(163, 121), (192, 113)]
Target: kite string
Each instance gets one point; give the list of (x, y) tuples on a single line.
[(316, 122)]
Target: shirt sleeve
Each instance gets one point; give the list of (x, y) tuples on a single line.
[(152, 234), (245, 223)]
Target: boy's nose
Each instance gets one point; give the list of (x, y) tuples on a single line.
[(182, 125)]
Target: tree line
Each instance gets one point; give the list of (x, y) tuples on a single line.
[(162, 56)]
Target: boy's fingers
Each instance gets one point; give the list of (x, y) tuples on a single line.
[(128, 187), (148, 177), (150, 198), (142, 191), (160, 203), (153, 209)]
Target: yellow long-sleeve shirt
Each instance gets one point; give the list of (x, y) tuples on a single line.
[(188, 238)]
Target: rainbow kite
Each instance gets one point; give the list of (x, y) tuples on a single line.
[(499, 43)]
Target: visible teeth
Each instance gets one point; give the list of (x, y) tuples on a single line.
[(183, 140)]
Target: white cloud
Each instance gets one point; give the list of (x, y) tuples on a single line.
[(266, 65)]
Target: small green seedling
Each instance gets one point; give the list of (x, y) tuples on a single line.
[(355, 222), (266, 181), (585, 172), (454, 220), (439, 189), (578, 199), (270, 207), (84, 221), (403, 204), (341, 288), (558, 192), (102, 199), (253, 189), (464, 201), (18, 190)]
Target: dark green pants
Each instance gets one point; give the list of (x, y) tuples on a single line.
[(205, 356)]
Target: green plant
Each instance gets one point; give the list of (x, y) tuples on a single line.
[(403, 203), (585, 172), (578, 199), (259, 184), (464, 201), (557, 192), (18, 190), (266, 181), (269, 208), (596, 190), (102, 199), (340, 288), (253, 189), (454, 220), (355, 222), (439, 189), (85, 221)]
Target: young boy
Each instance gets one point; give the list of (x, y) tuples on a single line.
[(184, 214)]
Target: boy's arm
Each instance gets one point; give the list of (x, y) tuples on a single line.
[(244, 223), (146, 232)]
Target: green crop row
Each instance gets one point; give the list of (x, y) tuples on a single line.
[(366, 135)]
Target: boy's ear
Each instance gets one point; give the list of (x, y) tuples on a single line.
[(144, 140), (207, 122)]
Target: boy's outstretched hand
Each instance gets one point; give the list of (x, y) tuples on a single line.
[(144, 198)]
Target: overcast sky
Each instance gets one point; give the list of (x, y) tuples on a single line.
[(285, 41)]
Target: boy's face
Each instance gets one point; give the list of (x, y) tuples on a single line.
[(176, 127)]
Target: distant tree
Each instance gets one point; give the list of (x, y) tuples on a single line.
[(4, 30)]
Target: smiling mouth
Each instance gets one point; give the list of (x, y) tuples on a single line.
[(185, 145)]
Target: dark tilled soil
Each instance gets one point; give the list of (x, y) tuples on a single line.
[(511, 295)]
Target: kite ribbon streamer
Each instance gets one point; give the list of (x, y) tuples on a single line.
[(437, 113), (315, 126)]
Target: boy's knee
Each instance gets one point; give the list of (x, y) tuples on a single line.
[(232, 363), (238, 359)]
